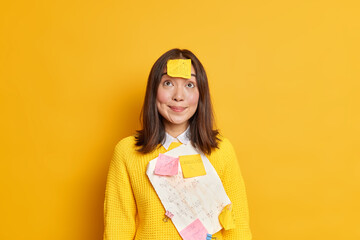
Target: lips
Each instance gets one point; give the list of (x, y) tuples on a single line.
[(177, 108)]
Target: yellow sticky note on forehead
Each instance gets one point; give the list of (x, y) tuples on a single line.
[(179, 68)]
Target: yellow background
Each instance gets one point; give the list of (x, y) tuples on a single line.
[(284, 79)]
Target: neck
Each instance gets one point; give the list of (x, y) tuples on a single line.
[(175, 130)]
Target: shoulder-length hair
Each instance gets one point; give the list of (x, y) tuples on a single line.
[(202, 134)]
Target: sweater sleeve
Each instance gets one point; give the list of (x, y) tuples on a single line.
[(119, 204), (235, 189)]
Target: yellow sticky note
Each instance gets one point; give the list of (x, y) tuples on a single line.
[(179, 68), (226, 218), (192, 166)]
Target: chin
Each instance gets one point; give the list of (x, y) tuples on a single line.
[(178, 122)]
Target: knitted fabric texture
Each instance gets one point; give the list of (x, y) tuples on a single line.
[(132, 209)]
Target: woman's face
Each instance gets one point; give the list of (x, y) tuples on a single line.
[(177, 100)]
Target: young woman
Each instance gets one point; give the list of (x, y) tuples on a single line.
[(176, 115)]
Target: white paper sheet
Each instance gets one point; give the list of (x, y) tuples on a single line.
[(188, 199)]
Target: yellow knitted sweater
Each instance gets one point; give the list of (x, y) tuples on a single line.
[(132, 209)]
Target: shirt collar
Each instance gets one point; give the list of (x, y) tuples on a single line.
[(183, 138)]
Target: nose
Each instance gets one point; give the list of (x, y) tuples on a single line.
[(178, 94)]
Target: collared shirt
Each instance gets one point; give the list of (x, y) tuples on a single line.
[(184, 138)]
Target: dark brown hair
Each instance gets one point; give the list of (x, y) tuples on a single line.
[(202, 134)]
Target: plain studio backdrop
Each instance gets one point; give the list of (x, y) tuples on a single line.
[(284, 78)]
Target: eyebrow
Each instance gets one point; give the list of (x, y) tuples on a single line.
[(166, 73)]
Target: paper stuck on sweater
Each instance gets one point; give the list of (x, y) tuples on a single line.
[(189, 199), (195, 230), (179, 68), (226, 218), (192, 165), (166, 165)]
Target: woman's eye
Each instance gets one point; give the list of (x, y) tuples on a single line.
[(167, 83), (190, 85)]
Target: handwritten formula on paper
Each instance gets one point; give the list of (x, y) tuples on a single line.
[(201, 197)]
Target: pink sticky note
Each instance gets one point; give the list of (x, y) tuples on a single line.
[(166, 165), (194, 231)]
